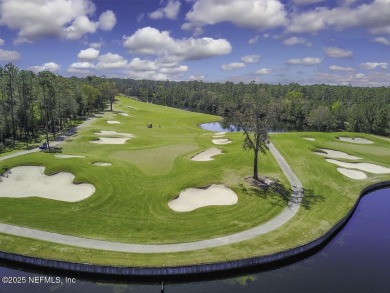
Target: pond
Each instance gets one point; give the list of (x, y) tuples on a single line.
[(356, 260), (217, 127)]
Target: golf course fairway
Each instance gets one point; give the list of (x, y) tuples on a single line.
[(142, 169)]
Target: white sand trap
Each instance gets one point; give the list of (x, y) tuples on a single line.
[(113, 122), (355, 140), (353, 174), (193, 198), (220, 133), (68, 156), (335, 154), (309, 138), (124, 114), (110, 132), (102, 164), (207, 155), (219, 136), (110, 140), (367, 167), (30, 181), (221, 141)]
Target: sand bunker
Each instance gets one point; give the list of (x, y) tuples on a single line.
[(193, 198), (353, 174), (335, 154), (219, 136), (207, 155), (220, 133), (221, 141), (30, 181), (102, 164), (124, 114), (113, 133), (113, 122), (367, 167), (355, 140), (112, 140), (67, 156), (309, 138)]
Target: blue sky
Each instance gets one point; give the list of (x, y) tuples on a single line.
[(272, 41)]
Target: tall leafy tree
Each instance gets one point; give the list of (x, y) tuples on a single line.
[(48, 86), (253, 114), (11, 72), (108, 91)]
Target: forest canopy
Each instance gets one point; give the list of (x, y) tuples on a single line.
[(45, 103)]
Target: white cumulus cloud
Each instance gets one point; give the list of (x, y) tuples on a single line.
[(107, 20), (111, 61), (151, 41), (291, 41), (256, 14), (263, 71), (232, 66), (250, 58), (373, 16), (198, 77), (49, 66), (253, 40), (82, 65), (170, 11), (88, 54), (336, 52), (373, 65), (305, 61), (9, 56), (340, 68), (382, 40), (138, 64), (155, 69), (35, 19)]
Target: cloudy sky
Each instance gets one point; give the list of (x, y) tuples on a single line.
[(272, 41)]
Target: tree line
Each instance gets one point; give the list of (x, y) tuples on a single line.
[(32, 105), (317, 107)]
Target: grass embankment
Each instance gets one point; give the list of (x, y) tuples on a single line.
[(130, 204)]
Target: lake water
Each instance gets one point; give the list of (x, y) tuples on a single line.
[(218, 127), (356, 260)]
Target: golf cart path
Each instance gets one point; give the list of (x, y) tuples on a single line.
[(52, 143), (273, 224)]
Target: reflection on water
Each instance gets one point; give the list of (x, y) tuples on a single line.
[(355, 260), (218, 127)]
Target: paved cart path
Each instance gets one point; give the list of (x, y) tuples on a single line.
[(51, 143), (273, 224)]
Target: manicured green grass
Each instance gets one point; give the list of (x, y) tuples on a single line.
[(131, 199), (130, 204)]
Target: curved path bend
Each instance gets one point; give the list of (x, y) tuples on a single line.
[(273, 224)]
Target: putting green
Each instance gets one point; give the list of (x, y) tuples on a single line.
[(154, 161)]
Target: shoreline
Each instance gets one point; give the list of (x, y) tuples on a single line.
[(189, 270)]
